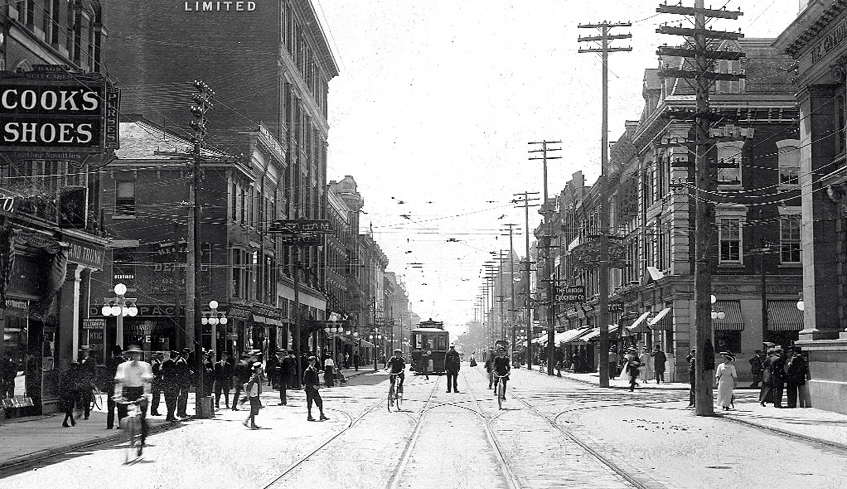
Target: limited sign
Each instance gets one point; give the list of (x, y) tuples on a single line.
[(51, 113)]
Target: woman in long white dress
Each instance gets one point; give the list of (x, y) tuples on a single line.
[(726, 377), (646, 364)]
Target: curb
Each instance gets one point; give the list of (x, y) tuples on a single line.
[(625, 387), (50, 452)]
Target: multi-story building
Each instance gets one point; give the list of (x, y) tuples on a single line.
[(815, 41), (755, 256), (50, 239), (274, 88), (398, 309)]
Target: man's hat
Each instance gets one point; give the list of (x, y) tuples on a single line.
[(798, 349), (257, 365), (133, 349), (398, 350), (84, 348), (174, 353)]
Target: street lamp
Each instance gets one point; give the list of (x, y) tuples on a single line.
[(214, 318), (374, 337), (119, 307), (332, 328), (717, 314)]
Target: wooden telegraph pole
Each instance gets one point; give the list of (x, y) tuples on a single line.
[(603, 268), (524, 200), (699, 53)]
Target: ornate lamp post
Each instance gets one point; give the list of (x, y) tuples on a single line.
[(332, 328), (214, 318), (119, 307)]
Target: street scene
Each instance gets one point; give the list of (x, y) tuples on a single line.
[(277, 243)]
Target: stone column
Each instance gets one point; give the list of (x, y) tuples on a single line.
[(819, 213), (69, 318)]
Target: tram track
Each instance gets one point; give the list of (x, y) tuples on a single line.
[(631, 476)]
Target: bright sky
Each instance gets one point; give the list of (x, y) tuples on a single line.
[(436, 104)]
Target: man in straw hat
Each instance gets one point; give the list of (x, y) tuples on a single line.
[(133, 384)]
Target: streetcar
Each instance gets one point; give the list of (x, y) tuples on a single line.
[(429, 335)]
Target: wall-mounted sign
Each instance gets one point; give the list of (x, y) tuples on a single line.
[(297, 226), (50, 113), (93, 323)]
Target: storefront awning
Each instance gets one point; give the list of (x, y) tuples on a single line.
[(663, 321), (366, 344), (732, 320), (595, 333), (570, 334), (581, 334), (640, 324), (784, 316)]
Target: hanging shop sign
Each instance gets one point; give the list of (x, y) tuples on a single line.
[(50, 113), (239, 312), (298, 226), (301, 240)]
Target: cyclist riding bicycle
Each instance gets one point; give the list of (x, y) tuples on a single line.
[(132, 383), (501, 369), (396, 365)]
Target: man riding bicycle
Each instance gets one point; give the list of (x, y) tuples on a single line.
[(397, 367), (133, 384), (501, 369)]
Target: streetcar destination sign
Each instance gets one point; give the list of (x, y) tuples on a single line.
[(298, 226)]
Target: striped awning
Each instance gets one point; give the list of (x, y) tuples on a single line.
[(582, 333), (732, 320), (570, 334), (784, 316), (640, 324), (663, 321), (595, 333)]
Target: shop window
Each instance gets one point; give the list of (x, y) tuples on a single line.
[(728, 341), (789, 239), (789, 161), (125, 199), (730, 240)]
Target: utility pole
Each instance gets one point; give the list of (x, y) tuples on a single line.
[(699, 53), (603, 268), (501, 297), (201, 105), (546, 210), (512, 308), (525, 199)]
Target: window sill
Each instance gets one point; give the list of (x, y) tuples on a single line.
[(790, 265), (731, 265), (122, 217)]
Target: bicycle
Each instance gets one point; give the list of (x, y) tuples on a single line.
[(395, 396), (500, 389), (131, 425)]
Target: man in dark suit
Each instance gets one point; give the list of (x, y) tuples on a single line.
[(452, 364), (170, 385), (87, 371), (182, 375), (223, 380), (311, 384), (777, 376), (287, 376), (156, 385)]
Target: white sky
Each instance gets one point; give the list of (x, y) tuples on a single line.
[(437, 101)]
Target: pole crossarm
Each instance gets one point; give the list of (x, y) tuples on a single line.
[(699, 75), (691, 32), (609, 37), (707, 12), (690, 53), (605, 24), (601, 50)]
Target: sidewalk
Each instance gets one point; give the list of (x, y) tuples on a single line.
[(824, 427), (34, 437)]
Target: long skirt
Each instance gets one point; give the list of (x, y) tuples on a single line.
[(725, 388), (329, 376)]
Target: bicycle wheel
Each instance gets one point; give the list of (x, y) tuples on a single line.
[(133, 443), (500, 394), (390, 397), (399, 398)]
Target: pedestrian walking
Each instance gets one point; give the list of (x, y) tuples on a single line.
[(182, 377), (659, 360), (774, 379), (311, 384), (241, 374), (797, 373), (112, 363), (756, 363), (613, 363), (288, 376), (156, 387), (8, 373), (223, 380), (272, 370), (68, 394), (87, 373), (329, 372), (489, 368), (253, 388), (632, 367), (726, 378), (170, 385), (692, 376), (646, 367), (452, 364), (356, 360), (426, 355), (208, 374)]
